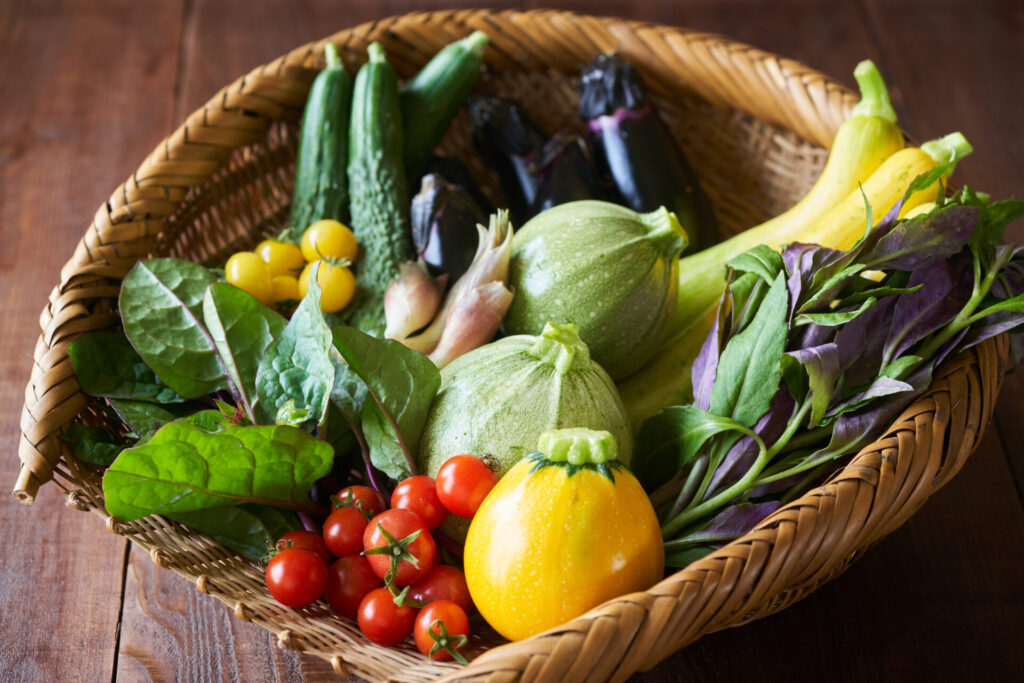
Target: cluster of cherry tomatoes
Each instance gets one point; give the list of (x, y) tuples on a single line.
[(387, 577), (277, 272)]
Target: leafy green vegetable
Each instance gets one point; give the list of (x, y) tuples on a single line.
[(144, 418), (248, 529), (161, 309), (402, 384), (183, 468), (297, 365), (242, 328), (93, 445), (107, 365)]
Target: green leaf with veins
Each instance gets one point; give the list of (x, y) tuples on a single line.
[(107, 365), (248, 529), (401, 385), (183, 468), (144, 418), (161, 310), (93, 445), (242, 328), (297, 365)]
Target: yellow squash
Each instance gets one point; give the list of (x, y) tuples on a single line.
[(566, 529)]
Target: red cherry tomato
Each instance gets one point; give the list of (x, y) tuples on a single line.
[(443, 582), (419, 495), (349, 580), (305, 540), (382, 621), (462, 484), (441, 629), (296, 577), (416, 555), (343, 531), (371, 502)]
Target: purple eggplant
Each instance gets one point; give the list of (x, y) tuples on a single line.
[(511, 146), (456, 173), (444, 219), (633, 147), (565, 174)]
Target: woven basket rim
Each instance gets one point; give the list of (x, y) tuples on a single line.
[(804, 101)]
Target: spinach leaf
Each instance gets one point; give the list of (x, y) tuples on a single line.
[(106, 365), (248, 529), (749, 368), (402, 384), (297, 365), (144, 418), (93, 445), (242, 328), (183, 468), (161, 309)]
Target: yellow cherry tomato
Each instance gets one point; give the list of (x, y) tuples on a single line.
[(282, 258), (337, 285), (559, 535), (249, 272), (329, 239), (286, 288)]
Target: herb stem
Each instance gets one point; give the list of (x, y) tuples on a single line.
[(686, 495)]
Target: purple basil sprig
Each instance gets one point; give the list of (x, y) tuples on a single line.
[(814, 351)]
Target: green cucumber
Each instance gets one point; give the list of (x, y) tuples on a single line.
[(432, 98), (380, 203), (321, 164)]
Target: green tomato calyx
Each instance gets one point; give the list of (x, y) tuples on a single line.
[(561, 346), (578, 446)]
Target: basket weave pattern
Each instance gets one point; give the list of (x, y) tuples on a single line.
[(754, 125)]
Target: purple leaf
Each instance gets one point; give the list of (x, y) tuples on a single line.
[(822, 366), (705, 367), (743, 453), (734, 521), (802, 261), (946, 288), (882, 386), (990, 326), (861, 341), (912, 243)]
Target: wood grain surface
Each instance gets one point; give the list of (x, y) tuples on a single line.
[(89, 86)]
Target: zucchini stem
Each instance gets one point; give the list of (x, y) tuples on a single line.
[(874, 96)]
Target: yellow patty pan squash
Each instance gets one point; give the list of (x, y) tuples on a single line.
[(566, 529)]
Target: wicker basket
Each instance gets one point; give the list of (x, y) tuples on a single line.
[(754, 125)]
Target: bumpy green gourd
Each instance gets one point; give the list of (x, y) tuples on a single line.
[(608, 269), (499, 399)]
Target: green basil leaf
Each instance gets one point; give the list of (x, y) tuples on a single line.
[(183, 468), (242, 328), (93, 445), (762, 260), (402, 384), (297, 365), (670, 439), (834, 318), (161, 309), (749, 369), (248, 529), (106, 365), (145, 418)]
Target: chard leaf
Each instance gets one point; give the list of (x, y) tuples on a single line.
[(93, 445), (670, 439), (835, 318), (248, 529), (144, 418), (107, 365), (402, 384), (297, 365), (762, 260), (183, 468), (946, 289), (161, 309), (822, 366), (242, 328), (749, 368)]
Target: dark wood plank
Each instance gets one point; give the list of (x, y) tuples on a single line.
[(85, 99)]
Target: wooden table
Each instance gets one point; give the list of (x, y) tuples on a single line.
[(89, 86)]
